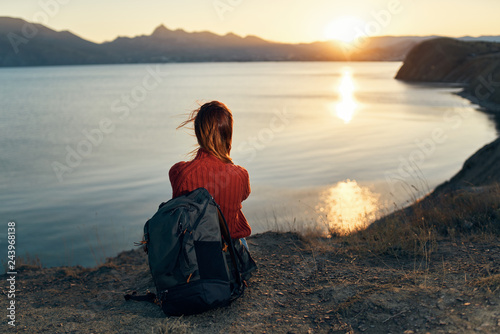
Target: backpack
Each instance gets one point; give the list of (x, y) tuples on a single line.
[(187, 241)]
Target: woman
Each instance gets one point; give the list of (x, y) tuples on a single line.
[(212, 168)]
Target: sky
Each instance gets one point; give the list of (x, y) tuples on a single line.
[(276, 20)]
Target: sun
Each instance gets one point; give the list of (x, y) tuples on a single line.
[(345, 29)]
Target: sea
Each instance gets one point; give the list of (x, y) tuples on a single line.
[(86, 150)]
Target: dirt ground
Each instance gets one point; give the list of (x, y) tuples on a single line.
[(313, 286)]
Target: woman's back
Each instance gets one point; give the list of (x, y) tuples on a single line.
[(228, 183), (213, 168)]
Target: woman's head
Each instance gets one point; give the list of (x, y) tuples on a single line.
[(213, 126)]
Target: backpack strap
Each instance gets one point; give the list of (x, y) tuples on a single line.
[(148, 297), (227, 238)]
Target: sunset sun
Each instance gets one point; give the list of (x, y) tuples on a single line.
[(344, 29)]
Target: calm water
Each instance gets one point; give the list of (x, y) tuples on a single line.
[(86, 149)]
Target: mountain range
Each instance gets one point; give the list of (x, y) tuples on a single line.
[(29, 44)]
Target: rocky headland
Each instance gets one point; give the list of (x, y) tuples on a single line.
[(476, 67)]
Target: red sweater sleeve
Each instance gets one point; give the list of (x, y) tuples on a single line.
[(246, 185), (174, 176)]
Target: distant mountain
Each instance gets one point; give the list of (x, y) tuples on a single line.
[(23, 44), (495, 39), (26, 44)]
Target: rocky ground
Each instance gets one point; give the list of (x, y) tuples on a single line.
[(302, 286)]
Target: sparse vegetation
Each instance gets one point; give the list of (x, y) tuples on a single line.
[(431, 267), (25, 261), (463, 214), (173, 326)]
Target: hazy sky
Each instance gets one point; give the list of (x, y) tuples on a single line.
[(278, 20)]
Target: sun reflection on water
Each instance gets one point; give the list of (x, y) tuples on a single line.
[(345, 108), (347, 207)]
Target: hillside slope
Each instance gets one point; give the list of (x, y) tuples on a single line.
[(476, 65), (481, 169), (36, 45), (316, 286)]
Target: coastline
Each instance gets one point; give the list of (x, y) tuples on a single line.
[(490, 108), (475, 67), (479, 169), (304, 285)]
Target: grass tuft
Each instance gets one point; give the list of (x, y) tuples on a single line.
[(491, 283), (470, 214), (169, 326), (25, 261)]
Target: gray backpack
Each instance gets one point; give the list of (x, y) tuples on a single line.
[(191, 256)]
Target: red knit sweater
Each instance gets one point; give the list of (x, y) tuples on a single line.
[(229, 185)]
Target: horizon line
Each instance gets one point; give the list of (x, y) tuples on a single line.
[(241, 36)]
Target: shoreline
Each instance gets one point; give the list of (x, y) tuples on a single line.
[(490, 108), (303, 286), (480, 157)]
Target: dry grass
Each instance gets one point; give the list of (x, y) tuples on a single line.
[(438, 256), (173, 326), (24, 261), (491, 283), (465, 214)]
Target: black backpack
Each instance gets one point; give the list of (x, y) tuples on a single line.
[(191, 256)]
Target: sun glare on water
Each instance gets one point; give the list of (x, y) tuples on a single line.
[(344, 29), (347, 105), (347, 207)]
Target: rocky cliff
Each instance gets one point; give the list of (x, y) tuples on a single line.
[(481, 169), (476, 65)]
